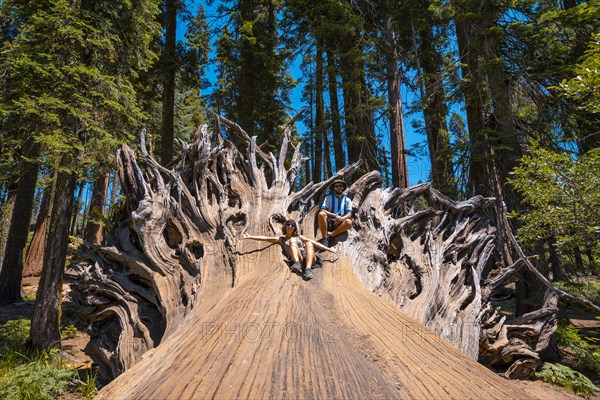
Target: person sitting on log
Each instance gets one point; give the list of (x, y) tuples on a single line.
[(298, 250), (336, 213)]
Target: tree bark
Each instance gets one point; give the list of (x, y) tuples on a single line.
[(435, 113), (398, 142), (578, 259), (93, 229), (334, 107), (45, 324), (558, 265), (11, 273), (35, 253), (319, 127), (592, 260), (114, 187), (169, 70), (360, 133), (7, 211), (504, 139), (328, 170), (77, 208), (485, 172), (478, 167)]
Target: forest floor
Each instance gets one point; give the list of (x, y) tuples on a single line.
[(73, 346)]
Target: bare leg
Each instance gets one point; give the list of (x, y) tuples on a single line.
[(341, 228), (296, 255), (310, 254), (322, 219)]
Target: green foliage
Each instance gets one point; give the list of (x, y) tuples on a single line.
[(544, 46), (586, 355), (588, 288), (585, 87), (13, 334), (68, 70), (88, 390), (39, 375), (30, 297), (42, 378), (69, 332), (252, 69), (564, 376), (563, 193)]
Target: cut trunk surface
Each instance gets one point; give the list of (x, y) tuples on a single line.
[(227, 318)]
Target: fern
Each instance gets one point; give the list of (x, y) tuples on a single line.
[(34, 375), (585, 356), (36, 381), (564, 376)]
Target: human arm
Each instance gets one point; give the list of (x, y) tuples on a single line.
[(338, 219), (269, 239), (348, 215), (329, 213)]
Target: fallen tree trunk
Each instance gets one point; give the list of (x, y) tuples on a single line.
[(173, 248)]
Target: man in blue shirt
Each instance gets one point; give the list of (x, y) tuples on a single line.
[(336, 213)]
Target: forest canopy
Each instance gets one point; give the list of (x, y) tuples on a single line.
[(502, 98)]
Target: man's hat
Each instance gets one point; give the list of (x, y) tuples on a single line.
[(339, 181)]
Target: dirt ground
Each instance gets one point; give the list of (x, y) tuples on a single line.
[(73, 347)]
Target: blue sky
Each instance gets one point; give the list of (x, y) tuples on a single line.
[(418, 168)]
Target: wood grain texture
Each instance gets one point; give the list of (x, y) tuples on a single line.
[(277, 336), (206, 314)]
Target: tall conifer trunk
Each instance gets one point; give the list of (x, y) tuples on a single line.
[(319, 115), (45, 325), (490, 127), (75, 210), (398, 142), (247, 86), (93, 229), (170, 69), (360, 134), (334, 106), (478, 167), (7, 211), (435, 112), (35, 253), (12, 264), (114, 187)]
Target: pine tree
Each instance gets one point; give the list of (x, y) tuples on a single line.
[(71, 68), (253, 70), (169, 71)]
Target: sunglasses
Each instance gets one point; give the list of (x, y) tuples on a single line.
[(290, 224), (337, 186)]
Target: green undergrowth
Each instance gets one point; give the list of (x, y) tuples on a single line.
[(588, 288), (582, 353), (585, 348), (564, 376), (36, 375)]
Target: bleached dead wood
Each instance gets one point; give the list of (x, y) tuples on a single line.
[(174, 247)]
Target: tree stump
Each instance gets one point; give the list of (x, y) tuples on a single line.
[(174, 247)]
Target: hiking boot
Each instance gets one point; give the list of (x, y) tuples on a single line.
[(326, 241), (308, 275), (297, 268)]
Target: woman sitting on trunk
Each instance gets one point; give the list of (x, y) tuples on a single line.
[(299, 250)]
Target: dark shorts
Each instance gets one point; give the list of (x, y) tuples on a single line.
[(331, 224)]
